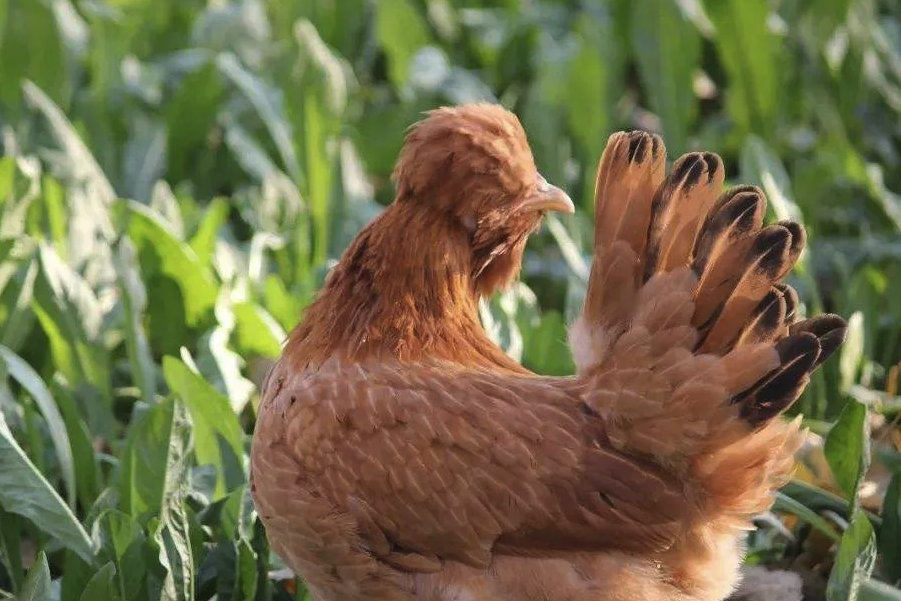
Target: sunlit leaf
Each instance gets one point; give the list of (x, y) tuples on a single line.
[(256, 332), (852, 351), (847, 448), (854, 561), (182, 291), (218, 439)]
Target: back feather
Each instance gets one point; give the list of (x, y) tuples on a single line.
[(688, 335)]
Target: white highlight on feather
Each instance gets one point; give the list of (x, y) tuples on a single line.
[(587, 343)]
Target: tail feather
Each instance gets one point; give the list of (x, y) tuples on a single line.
[(770, 255), (688, 335), (725, 239), (631, 169), (767, 321), (678, 208)]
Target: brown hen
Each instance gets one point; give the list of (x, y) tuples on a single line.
[(399, 454)]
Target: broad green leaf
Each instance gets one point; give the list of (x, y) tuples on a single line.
[(668, 49), (24, 491), (379, 134), (854, 561), (204, 239), (172, 535), (6, 245), (181, 291), (750, 55), (32, 382), (236, 560), (847, 448), (282, 304), (401, 32), (890, 533), (218, 439), (219, 364), (24, 188), (8, 171), (256, 332), (122, 541), (173, 258), (100, 587), (144, 464), (37, 582)]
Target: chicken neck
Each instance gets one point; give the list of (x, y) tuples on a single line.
[(403, 290)]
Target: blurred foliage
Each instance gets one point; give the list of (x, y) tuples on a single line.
[(178, 176)]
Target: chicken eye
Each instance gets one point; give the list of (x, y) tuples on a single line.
[(469, 223)]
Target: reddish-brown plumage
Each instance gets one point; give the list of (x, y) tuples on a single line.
[(399, 454)]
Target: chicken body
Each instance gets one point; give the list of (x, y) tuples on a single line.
[(399, 454), (487, 463)]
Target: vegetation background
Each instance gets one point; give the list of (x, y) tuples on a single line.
[(178, 176)]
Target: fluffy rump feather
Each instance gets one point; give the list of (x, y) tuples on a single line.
[(688, 335)]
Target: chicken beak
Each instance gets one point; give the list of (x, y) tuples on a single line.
[(547, 198)]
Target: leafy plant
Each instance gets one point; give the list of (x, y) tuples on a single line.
[(178, 176)]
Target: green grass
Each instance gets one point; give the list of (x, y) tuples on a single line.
[(178, 177)]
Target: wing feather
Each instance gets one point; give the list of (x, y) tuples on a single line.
[(480, 463)]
